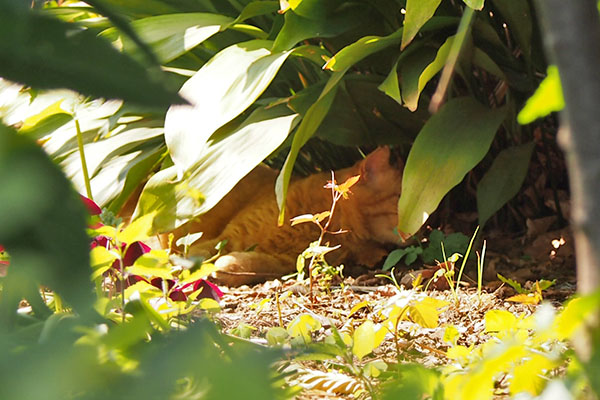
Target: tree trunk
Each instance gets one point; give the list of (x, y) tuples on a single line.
[(572, 37)]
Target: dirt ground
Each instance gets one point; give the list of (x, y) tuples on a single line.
[(538, 255)]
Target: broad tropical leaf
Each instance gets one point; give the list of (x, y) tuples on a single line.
[(221, 90), (450, 144), (360, 49), (46, 53), (503, 180), (311, 121), (230, 156), (171, 35), (420, 69), (418, 12)]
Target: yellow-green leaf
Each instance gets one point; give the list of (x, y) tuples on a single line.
[(474, 4), (150, 267), (529, 376), (141, 287), (451, 335), (531, 298), (575, 313), (209, 305), (321, 216), (104, 230), (360, 49), (499, 321), (424, 315), (138, 230), (374, 368), (358, 306), (303, 325), (300, 219), (458, 352), (547, 98), (276, 335), (364, 339), (205, 270), (49, 111), (101, 260)]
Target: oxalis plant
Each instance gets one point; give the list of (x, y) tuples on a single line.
[(316, 251)]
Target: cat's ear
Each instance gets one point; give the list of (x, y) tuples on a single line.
[(376, 161)]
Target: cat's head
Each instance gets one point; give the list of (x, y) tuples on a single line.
[(374, 199)]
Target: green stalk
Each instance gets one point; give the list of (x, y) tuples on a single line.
[(466, 256), (86, 177), (463, 28), (480, 269)]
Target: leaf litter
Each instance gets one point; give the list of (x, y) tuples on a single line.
[(347, 304)]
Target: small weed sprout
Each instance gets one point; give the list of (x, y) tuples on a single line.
[(317, 250)]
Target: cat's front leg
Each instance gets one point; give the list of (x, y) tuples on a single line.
[(249, 267)]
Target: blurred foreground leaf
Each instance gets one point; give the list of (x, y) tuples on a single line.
[(46, 53)]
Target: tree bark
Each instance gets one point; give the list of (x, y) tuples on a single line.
[(572, 38)]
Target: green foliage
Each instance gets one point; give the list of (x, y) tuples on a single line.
[(47, 53), (453, 243), (546, 99), (316, 251), (308, 68), (119, 353), (471, 128), (503, 180), (411, 253), (43, 230), (258, 83)]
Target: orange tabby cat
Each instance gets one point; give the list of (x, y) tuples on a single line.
[(247, 218)]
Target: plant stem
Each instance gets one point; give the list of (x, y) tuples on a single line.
[(86, 177), (335, 196), (466, 256), (278, 308)]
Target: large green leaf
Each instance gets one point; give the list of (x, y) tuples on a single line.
[(117, 150), (418, 12), (45, 52), (390, 85), (43, 228), (503, 180), (450, 144), (517, 15), (360, 49), (122, 23), (221, 90), (171, 35), (297, 28), (314, 9), (311, 121), (419, 68), (256, 8), (230, 155), (108, 179)]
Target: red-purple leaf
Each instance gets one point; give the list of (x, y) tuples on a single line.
[(209, 289), (178, 295), (134, 251), (92, 207), (158, 283)]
